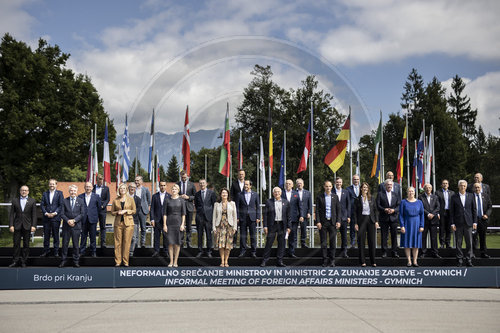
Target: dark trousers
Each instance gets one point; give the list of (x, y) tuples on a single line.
[(463, 232), (276, 231), (366, 227), (158, 234), (303, 231), (328, 233), (344, 226), (204, 226), (51, 228), (445, 229), (142, 224), (249, 226), (88, 230), (384, 232), (292, 238), (482, 227), (102, 227), (352, 232), (73, 234), (433, 230), (25, 235), (189, 224)]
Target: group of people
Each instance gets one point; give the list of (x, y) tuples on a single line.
[(351, 211)]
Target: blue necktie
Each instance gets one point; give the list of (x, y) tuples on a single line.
[(479, 206)]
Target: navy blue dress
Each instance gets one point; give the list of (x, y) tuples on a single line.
[(411, 217)]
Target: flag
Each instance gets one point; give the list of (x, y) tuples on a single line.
[(151, 140), (281, 182), (90, 164), (186, 146), (105, 157), (307, 151), (239, 156), (378, 173), (357, 163), (400, 166), (414, 172), (378, 140), (126, 152), (335, 157), (270, 141), (262, 167), (420, 160), (430, 156), (157, 173), (225, 160), (117, 169)]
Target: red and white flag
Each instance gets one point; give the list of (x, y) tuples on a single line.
[(105, 159), (186, 145), (307, 151)]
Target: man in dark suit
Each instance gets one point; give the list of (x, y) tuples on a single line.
[(137, 228), (396, 188), (293, 199), (156, 216), (305, 200), (237, 187), (463, 218), (431, 221), (204, 201), (388, 206), (444, 195), (484, 207), (187, 193), (22, 222), (142, 212), (276, 225), (72, 215), (485, 188), (103, 192), (92, 206), (328, 222), (51, 206), (248, 208), (353, 191), (345, 214)]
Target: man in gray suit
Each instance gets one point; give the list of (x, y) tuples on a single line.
[(72, 214), (142, 212), (204, 201)]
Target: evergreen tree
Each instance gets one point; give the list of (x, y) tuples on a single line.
[(461, 109), (139, 172), (172, 170), (413, 93)]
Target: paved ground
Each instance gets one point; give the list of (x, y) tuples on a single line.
[(243, 309)]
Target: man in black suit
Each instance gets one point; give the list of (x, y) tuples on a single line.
[(353, 191), (485, 188), (156, 215), (187, 193), (137, 227), (51, 206), (305, 200), (293, 199), (237, 187), (484, 207), (328, 222), (388, 206), (248, 208), (431, 221), (276, 225), (463, 218), (103, 192), (92, 206), (444, 195), (22, 222), (345, 214), (204, 201), (396, 188), (72, 214)]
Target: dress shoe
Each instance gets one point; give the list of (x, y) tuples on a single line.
[(304, 246), (188, 246), (263, 263), (486, 256), (468, 263), (62, 264), (76, 265), (292, 255), (448, 246), (209, 255), (95, 255), (442, 246), (325, 263), (44, 254), (23, 265), (415, 265), (332, 263), (437, 256), (242, 254), (460, 263), (199, 254), (254, 255), (384, 255), (103, 246), (395, 255), (344, 254), (143, 246), (14, 264), (155, 254), (281, 264)]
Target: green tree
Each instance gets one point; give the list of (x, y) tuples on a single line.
[(413, 93), (173, 170), (140, 170), (46, 111), (461, 109)]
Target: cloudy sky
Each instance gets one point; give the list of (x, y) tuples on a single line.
[(168, 54)]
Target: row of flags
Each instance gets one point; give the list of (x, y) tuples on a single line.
[(92, 161)]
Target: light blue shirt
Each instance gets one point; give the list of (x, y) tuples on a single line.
[(328, 206), (23, 202)]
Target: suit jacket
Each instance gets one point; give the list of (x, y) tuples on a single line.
[(235, 191), (321, 209), (345, 204), (145, 201), (353, 196), (230, 213), (486, 206), (294, 205), (486, 188), (383, 203), (460, 215), (205, 208), (190, 192), (358, 210), (54, 207), (305, 203), (129, 206), (104, 197), (93, 209), (396, 188), (137, 202), (430, 208), (252, 209), (76, 213), (442, 204), (270, 214), (156, 213), (19, 218)]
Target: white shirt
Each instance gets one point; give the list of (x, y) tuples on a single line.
[(98, 190), (389, 197), (328, 206), (300, 194), (162, 197), (51, 196), (366, 207), (278, 206), (248, 195), (428, 199), (242, 185), (138, 191), (446, 195), (23, 202), (87, 199), (462, 198), (288, 195), (339, 193)]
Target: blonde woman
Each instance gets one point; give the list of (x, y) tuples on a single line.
[(174, 221), (123, 209), (224, 225), (411, 220)]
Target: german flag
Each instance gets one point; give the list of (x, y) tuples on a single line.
[(335, 157)]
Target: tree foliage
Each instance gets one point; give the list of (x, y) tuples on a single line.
[(172, 170)]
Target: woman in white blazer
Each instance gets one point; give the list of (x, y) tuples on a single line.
[(224, 225)]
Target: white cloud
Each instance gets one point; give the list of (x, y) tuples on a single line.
[(16, 21)]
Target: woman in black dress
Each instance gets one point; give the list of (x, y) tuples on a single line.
[(174, 219), (366, 222)]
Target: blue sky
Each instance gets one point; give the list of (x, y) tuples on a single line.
[(369, 46)]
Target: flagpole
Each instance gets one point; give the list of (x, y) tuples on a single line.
[(433, 161), (259, 191), (240, 148), (270, 152), (417, 179), (311, 178), (350, 142), (153, 158), (284, 154), (382, 168), (407, 150), (136, 160), (205, 166), (401, 178), (229, 152)]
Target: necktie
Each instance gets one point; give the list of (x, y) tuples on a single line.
[(203, 195), (183, 188), (356, 191), (72, 203), (479, 207)]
